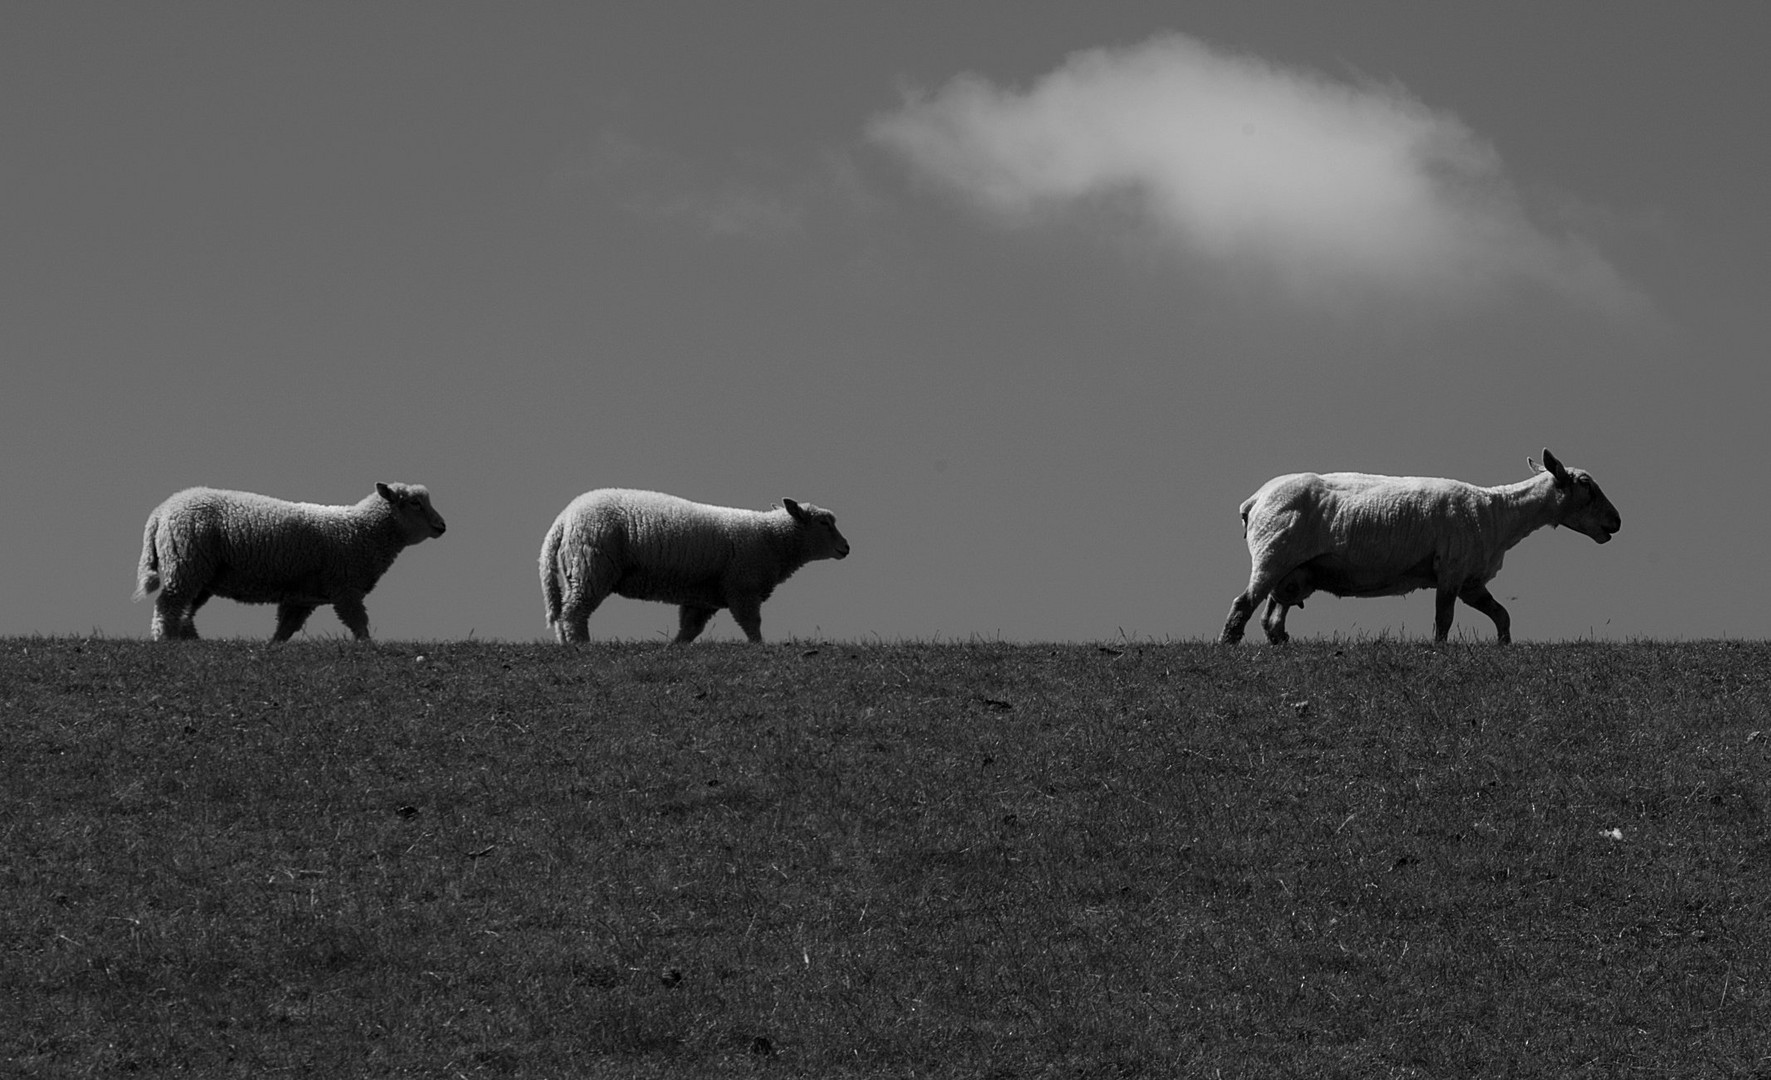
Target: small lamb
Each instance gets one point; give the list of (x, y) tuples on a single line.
[(1355, 534), (646, 545), (205, 542)]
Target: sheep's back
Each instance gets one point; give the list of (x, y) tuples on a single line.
[(259, 549), (663, 534), (1371, 521)]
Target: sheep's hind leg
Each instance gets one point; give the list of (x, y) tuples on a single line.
[(1288, 592), (691, 619), (174, 618), (1273, 622), (189, 628), (1262, 583), (1444, 606), (1478, 597), (1241, 610), (748, 613), (571, 629), (290, 619), (584, 593), (354, 616), (164, 624), (573, 625)]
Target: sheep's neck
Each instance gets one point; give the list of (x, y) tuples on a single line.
[(1526, 507)]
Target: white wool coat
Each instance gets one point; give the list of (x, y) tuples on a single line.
[(647, 545), (1360, 534), (204, 542)]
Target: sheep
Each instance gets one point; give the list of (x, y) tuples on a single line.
[(205, 542), (1354, 534), (646, 545)]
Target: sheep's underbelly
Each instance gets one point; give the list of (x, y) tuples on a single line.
[(648, 585), (1334, 574), (257, 589)]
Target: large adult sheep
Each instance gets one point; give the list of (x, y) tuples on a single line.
[(646, 545), (1354, 534), (205, 542)]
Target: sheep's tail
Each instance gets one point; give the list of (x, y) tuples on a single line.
[(550, 576), (147, 572)]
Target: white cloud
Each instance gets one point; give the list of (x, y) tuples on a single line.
[(1331, 188)]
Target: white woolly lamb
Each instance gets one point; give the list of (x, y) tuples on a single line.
[(646, 545), (1354, 534), (204, 542)]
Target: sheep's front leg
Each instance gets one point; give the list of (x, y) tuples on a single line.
[(691, 619), (747, 611), (290, 619), (1477, 596), (354, 616)]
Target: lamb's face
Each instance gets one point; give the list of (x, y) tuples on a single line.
[(411, 503), (819, 526)]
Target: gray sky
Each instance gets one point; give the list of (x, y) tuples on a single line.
[(1030, 294)]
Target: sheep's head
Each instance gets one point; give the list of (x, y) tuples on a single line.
[(818, 526), (1583, 507), (412, 509)]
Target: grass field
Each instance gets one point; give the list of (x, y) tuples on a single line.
[(1360, 859)]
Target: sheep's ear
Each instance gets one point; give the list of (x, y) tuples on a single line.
[(386, 492), (794, 510), (1556, 469)]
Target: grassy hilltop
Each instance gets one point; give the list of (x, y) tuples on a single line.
[(1354, 859)]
